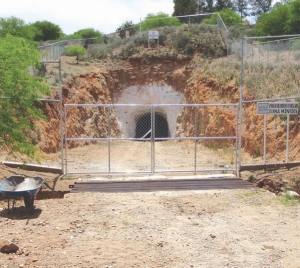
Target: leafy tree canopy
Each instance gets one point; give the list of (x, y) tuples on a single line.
[(273, 23), (90, 35), (227, 15), (87, 33), (17, 27), (260, 6), (48, 31), (19, 91), (76, 51), (153, 21), (127, 26), (242, 7), (294, 18), (222, 4), (185, 7)]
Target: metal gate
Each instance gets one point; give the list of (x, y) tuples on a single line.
[(148, 139)]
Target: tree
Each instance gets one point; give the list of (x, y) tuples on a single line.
[(76, 51), (227, 15), (127, 26), (294, 19), (87, 33), (122, 32), (260, 6), (208, 6), (273, 23), (19, 93), (222, 4), (153, 21), (242, 7), (90, 36), (49, 31), (184, 7), (17, 27)]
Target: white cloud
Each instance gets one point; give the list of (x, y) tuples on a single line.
[(103, 15)]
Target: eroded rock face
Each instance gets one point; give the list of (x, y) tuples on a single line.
[(107, 85), (7, 246)]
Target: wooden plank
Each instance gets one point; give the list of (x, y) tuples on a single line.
[(160, 185), (269, 166), (31, 167)]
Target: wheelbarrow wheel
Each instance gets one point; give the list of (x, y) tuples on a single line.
[(29, 202)]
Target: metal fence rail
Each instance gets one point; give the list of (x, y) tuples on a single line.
[(150, 142)]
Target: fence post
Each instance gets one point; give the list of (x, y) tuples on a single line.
[(265, 137), (66, 129), (244, 40), (287, 138), (195, 135), (152, 139), (236, 140), (277, 50), (61, 118), (268, 52), (140, 27), (289, 49), (109, 138)]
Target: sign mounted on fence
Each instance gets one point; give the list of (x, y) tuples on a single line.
[(277, 107)]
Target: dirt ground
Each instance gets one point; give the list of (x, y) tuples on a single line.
[(214, 228)]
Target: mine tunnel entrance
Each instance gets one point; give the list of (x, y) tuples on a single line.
[(143, 126)]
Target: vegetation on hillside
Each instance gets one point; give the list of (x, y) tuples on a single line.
[(174, 42), (19, 92), (263, 80)]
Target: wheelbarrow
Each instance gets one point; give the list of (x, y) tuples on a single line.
[(18, 187)]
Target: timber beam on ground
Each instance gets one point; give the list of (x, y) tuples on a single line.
[(268, 167), (161, 185), (31, 167)]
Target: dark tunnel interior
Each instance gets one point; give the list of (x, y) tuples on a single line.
[(143, 126)]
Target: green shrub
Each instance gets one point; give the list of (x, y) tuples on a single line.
[(128, 51), (76, 51), (189, 50), (153, 21), (180, 41)]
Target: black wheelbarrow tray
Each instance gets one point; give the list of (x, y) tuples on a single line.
[(18, 187)]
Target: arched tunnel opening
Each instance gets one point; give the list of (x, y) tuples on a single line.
[(143, 126)]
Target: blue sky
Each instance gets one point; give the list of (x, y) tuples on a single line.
[(103, 15)]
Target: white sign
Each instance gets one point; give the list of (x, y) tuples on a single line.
[(277, 107), (153, 34)]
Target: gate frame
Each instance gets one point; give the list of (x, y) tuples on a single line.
[(152, 138)]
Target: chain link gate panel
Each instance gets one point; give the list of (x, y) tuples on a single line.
[(269, 73), (148, 139)]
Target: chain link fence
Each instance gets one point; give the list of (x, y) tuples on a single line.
[(223, 29), (51, 52), (269, 73), (116, 138)]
